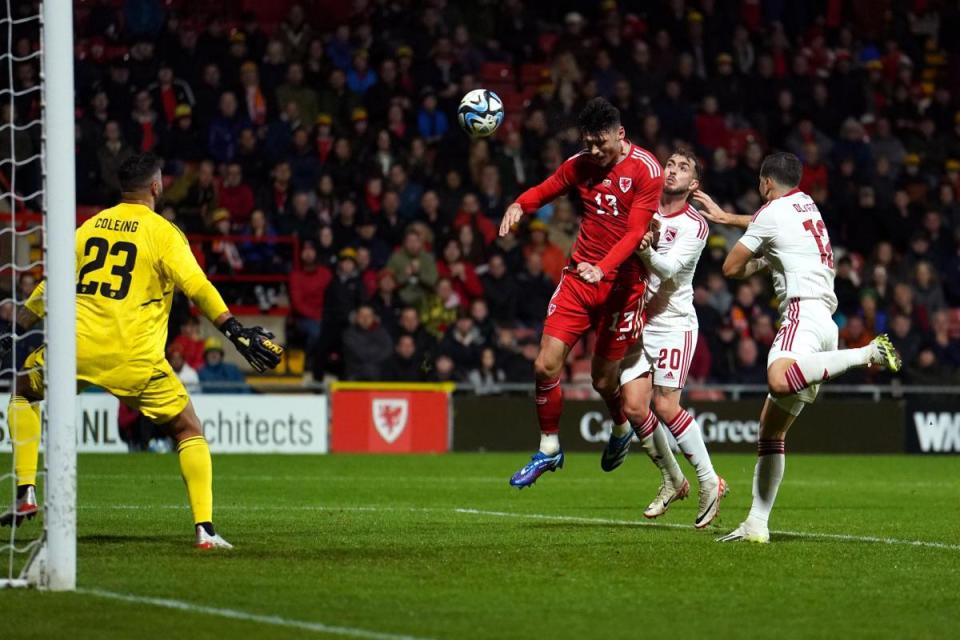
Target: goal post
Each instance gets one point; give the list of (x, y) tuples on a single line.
[(60, 514)]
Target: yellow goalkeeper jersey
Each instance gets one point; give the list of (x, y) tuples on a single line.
[(129, 260)]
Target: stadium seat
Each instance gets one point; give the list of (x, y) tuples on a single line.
[(493, 72)]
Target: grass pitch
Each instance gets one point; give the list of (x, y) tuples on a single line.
[(442, 547)]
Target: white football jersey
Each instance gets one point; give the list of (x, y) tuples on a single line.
[(683, 235), (790, 233)]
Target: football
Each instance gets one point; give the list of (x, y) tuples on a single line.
[(480, 113)]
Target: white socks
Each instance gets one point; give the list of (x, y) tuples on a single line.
[(689, 437), (657, 447), (620, 430), (766, 479), (816, 367), (549, 443)]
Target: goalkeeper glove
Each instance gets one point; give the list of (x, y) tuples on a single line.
[(254, 344), (6, 342)]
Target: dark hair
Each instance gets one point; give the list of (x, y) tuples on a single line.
[(136, 172), (687, 152), (599, 115), (783, 168)]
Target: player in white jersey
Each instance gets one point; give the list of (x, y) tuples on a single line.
[(655, 369), (787, 235)]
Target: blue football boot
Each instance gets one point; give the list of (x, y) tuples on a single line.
[(615, 451), (539, 464)]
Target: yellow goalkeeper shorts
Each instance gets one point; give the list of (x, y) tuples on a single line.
[(161, 399)]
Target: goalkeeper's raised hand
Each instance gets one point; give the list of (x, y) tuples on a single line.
[(254, 344)]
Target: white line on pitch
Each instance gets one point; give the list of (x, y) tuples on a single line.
[(246, 616), (538, 516), (792, 534)]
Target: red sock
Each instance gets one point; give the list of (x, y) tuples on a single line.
[(649, 425), (615, 407), (549, 405)]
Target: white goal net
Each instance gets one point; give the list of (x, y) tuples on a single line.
[(37, 220)]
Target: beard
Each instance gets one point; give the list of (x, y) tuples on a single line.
[(675, 191)]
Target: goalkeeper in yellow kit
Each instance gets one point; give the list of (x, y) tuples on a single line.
[(129, 261)]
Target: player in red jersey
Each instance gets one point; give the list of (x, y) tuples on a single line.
[(602, 289)]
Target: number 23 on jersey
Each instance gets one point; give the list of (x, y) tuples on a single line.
[(122, 258)]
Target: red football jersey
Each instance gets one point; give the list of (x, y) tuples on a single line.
[(618, 204)]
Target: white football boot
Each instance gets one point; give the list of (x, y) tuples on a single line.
[(667, 495), (748, 531), (26, 507), (207, 541), (711, 492)]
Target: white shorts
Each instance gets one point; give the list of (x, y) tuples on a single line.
[(667, 354), (806, 327)]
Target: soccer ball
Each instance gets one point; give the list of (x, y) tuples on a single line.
[(480, 113)]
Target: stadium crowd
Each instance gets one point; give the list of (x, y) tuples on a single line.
[(334, 123)]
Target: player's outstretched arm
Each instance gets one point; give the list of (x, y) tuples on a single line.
[(535, 197), (254, 343), (712, 212)]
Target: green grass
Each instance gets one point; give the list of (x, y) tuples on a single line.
[(376, 543)]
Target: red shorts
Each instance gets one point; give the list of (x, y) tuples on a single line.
[(613, 308)]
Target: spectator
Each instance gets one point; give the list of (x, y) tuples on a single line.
[(480, 313), (926, 369), (874, 318), (487, 378), (537, 290), (414, 269), (361, 77), (223, 256), (440, 308), (945, 348), (409, 192), (190, 343), (385, 301), (470, 215), (235, 196), (146, 128), (168, 92), (404, 365), (432, 124), (462, 342), (501, 291), (293, 90), (255, 102), (366, 346), (259, 253), (225, 129), (218, 376), (552, 258), (182, 141), (904, 337), (444, 370), (750, 369), (112, 152), (368, 239), (460, 273), (344, 294), (855, 333), (927, 291), (308, 287), (201, 200), (185, 373)]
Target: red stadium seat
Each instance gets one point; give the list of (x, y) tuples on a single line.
[(533, 73), (491, 72)]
